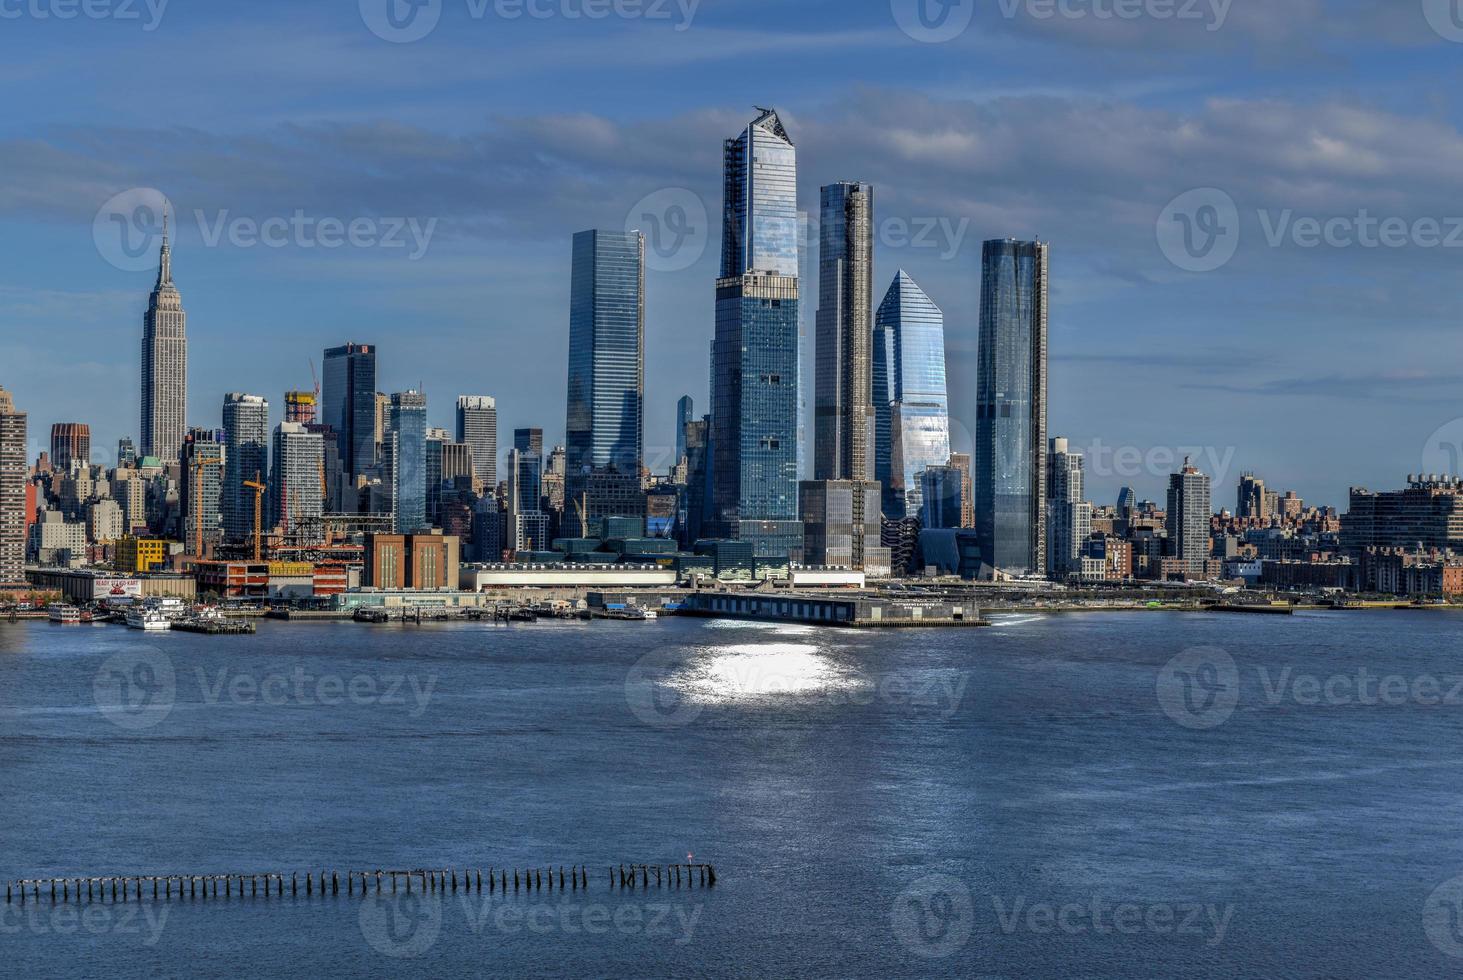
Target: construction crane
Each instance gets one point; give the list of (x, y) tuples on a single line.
[(199, 465), (258, 489)]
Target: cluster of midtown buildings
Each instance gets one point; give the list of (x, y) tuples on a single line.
[(354, 488)]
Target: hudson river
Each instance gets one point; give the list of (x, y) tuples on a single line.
[(1083, 796)]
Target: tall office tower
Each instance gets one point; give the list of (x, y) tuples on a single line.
[(698, 491), (529, 441), (527, 524), (1069, 515), (13, 472), (554, 469), (1011, 393), (126, 453), (457, 468), (70, 444), (1253, 499), (685, 415), (246, 439), (164, 364), (349, 405), (200, 489), (300, 407), (843, 404), (477, 425), (297, 484), (754, 382), (911, 401), (1189, 514), (605, 425), (436, 439), (407, 461)]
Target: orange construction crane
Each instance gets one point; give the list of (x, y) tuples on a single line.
[(258, 489)]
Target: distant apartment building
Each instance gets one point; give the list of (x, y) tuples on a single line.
[(70, 445), (1189, 515), (1069, 515), (14, 518), (1428, 513)]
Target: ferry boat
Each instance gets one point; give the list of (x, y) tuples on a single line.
[(148, 616), (60, 612)]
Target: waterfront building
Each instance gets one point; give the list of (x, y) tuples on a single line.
[(605, 421), (200, 491), (754, 384), (349, 406), (70, 445), (1189, 515), (164, 364), (406, 458), (843, 400), (416, 562), (842, 527), (1011, 408), (297, 484), (246, 439), (14, 519), (1069, 515), (911, 400), (1428, 513), (477, 427)]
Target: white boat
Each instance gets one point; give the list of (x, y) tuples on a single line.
[(60, 612), (148, 616)]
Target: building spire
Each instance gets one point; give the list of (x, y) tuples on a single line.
[(165, 259)]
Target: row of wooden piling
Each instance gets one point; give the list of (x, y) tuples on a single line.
[(166, 887)]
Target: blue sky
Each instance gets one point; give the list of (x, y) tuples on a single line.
[(1319, 364)]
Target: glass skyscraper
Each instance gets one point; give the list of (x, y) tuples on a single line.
[(1011, 393), (349, 405), (407, 461), (754, 383), (842, 413), (605, 425), (911, 401), (246, 437), (685, 415)]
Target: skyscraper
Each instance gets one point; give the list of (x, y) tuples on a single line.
[(13, 469), (407, 459), (1011, 394), (754, 384), (1189, 513), (477, 426), (911, 401), (349, 405), (1069, 515), (685, 415), (246, 439), (70, 443), (843, 406), (164, 364), (529, 441), (296, 492), (605, 424), (200, 490)]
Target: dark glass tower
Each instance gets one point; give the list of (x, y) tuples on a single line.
[(605, 425), (843, 407), (1011, 394), (349, 407)]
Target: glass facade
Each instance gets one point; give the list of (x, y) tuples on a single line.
[(911, 401), (605, 422), (1011, 392), (408, 469), (760, 201), (842, 434), (349, 404), (246, 436)]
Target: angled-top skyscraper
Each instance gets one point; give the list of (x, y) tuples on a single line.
[(605, 423), (1010, 439), (843, 409), (164, 364), (754, 383), (911, 401)]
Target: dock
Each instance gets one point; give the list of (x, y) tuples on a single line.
[(854, 611), (216, 627), (178, 887)]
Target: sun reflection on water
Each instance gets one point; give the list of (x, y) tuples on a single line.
[(762, 671)]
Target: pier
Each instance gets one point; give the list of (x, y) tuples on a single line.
[(277, 884), (856, 611)]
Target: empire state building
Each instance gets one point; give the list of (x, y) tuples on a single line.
[(164, 364)]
